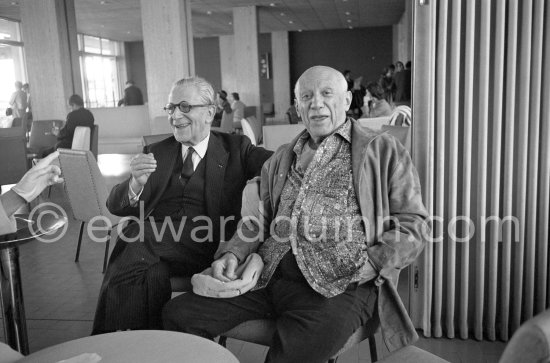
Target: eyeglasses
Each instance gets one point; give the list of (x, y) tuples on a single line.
[(183, 106)]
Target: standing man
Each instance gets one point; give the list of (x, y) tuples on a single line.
[(132, 95), (192, 182), (18, 101), (343, 216)]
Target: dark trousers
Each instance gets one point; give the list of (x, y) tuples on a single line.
[(310, 327), (136, 284)]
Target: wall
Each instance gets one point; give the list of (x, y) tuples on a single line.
[(207, 60), (366, 51), (135, 65)]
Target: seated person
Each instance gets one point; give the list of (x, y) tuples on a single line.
[(191, 182), (342, 216), (374, 103), (79, 116)]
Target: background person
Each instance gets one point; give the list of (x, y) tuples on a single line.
[(79, 116), (18, 101), (374, 102), (132, 95)]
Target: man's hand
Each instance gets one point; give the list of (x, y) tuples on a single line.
[(38, 178), (141, 166), (224, 268)]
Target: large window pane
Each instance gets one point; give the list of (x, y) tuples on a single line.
[(9, 30), (92, 45)]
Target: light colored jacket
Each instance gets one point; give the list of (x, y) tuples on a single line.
[(387, 185)]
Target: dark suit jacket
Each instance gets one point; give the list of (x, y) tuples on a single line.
[(231, 160), (132, 96)]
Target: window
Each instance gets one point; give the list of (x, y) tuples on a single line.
[(99, 64), (12, 65)]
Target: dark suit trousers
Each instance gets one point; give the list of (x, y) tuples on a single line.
[(137, 281), (310, 327)]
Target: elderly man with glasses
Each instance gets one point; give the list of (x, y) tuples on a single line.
[(186, 193)]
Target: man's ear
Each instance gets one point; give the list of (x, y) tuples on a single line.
[(211, 113), (296, 107), (348, 99)]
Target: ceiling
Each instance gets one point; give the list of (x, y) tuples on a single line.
[(121, 19)]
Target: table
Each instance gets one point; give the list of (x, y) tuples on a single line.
[(11, 291), (138, 346)]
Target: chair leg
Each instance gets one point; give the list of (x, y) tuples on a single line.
[(79, 242), (222, 341), (372, 348), (105, 259)]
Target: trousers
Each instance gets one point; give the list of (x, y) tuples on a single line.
[(309, 326)]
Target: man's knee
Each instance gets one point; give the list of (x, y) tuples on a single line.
[(176, 317)]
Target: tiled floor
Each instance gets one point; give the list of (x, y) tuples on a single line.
[(60, 295)]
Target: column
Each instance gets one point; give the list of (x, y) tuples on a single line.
[(227, 66), (169, 54), (50, 42), (245, 25), (402, 36), (281, 73)]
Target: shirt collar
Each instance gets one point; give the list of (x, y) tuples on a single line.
[(343, 130), (200, 148)]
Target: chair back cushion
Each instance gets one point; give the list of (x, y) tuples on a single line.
[(247, 130), (401, 116), (374, 123), (84, 184), (81, 138), (249, 111), (277, 135)]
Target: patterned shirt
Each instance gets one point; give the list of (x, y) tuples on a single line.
[(319, 219)]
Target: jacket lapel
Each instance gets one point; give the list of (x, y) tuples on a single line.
[(216, 163), (160, 178)]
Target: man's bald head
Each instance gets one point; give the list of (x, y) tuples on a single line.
[(322, 100)]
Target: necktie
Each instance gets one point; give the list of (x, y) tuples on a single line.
[(187, 169)]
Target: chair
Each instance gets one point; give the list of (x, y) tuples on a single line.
[(268, 109), (42, 136), (13, 163), (400, 133), (531, 342), (249, 111), (261, 332), (401, 116), (94, 140), (86, 191), (81, 138), (374, 123), (247, 131), (151, 139), (277, 135)]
